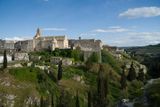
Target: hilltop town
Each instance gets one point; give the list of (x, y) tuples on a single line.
[(49, 69), (46, 67), (42, 43)]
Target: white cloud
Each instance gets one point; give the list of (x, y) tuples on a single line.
[(16, 38), (55, 29), (136, 39), (141, 12), (87, 34), (112, 29)]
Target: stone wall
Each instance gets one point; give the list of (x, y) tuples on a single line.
[(21, 56), (9, 44), (24, 46), (65, 61), (55, 60), (88, 46)]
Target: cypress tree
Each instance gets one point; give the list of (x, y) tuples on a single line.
[(41, 102), (141, 75), (102, 87), (123, 80), (5, 59), (52, 100), (106, 85), (60, 70), (132, 73), (13, 58), (77, 100), (89, 99)]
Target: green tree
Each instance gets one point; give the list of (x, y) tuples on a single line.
[(66, 100), (94, 58), (5, 59), (102, 86), (76, 54), (77, 100), (52, 100), (131, 74), (60, 70), (141, 75), (123, 80), (42, 102), (89, 99)]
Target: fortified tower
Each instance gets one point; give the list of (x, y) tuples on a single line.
[(38, 34)]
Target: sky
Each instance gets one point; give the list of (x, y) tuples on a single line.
[(115, 22)]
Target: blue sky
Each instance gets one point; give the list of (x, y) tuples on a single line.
[(115, 22)]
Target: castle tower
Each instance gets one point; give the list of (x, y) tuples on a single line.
[(54, 43), (38, 34)]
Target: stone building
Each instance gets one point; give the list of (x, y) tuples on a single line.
[(1, 45), (39, 43), (9, 44), (88, 46), (49, 42), (24, 46), (6, 45)]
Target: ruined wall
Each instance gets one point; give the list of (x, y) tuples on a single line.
[(21, 56)]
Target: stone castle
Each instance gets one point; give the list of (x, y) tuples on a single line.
[(40, 42)]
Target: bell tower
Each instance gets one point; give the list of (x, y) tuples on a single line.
[(38, 34)]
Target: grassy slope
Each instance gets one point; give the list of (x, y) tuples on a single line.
[(9, 85), (41, 83)]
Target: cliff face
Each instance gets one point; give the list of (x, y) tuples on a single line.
[(16, 93)]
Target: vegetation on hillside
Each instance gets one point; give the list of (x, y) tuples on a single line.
[(92, 84)]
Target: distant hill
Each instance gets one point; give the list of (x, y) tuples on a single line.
[(149, 56), (152, 50)]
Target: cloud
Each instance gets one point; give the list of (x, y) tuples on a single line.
[(112, 29), (55, 29), (87, 34), (16, 38), (141, 12), (136, 39)]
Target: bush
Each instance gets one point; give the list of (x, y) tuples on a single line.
[(108, 58), (94, 58), (135, 89)]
